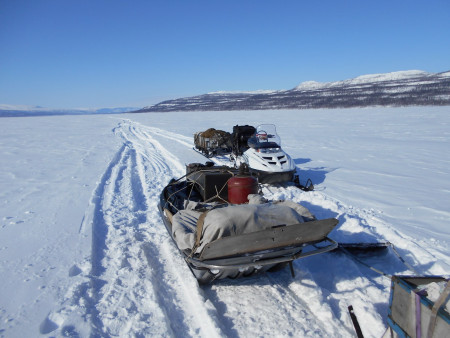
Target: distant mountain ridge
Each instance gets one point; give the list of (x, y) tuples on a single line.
[(404, 88), (22, 111)]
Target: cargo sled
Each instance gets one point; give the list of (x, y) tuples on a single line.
[(418, 307), (224, 229), (212, 142)]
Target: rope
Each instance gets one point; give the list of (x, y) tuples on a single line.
[(402, 260), (168, 201), (223, 187), (190, 192)]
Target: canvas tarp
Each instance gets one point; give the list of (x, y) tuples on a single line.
[(234, 220)]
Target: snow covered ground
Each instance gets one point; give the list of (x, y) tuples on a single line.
[(83, 250)]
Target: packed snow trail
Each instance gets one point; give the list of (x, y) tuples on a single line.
[(144, 291), (136, 282)]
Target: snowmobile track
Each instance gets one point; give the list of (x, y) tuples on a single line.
[(133, 277)]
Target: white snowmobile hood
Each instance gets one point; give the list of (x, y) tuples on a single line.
[(277, 161)]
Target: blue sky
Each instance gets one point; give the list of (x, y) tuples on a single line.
[(111, 53)]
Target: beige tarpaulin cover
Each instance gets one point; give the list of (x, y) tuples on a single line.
[(235, 220)]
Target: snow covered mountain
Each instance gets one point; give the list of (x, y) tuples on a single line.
[(405, 88)]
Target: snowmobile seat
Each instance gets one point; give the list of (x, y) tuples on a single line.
[(253, 142), (240, 136)]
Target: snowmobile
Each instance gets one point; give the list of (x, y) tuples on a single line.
[(262, 152), (259, 148), (225, 229)]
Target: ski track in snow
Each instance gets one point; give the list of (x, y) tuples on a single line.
[(137, 284)]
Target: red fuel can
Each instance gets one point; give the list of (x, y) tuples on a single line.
[(239, 187)]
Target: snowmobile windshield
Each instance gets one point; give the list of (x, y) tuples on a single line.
[(268, 133), (266, 137)]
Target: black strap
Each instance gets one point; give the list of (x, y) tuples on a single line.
[(355, 322)]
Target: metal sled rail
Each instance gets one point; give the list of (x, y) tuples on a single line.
[(221, 264)]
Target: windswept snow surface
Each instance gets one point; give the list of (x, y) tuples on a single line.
[(84, 252)]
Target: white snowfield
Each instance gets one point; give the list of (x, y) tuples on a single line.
[(84, 252)]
